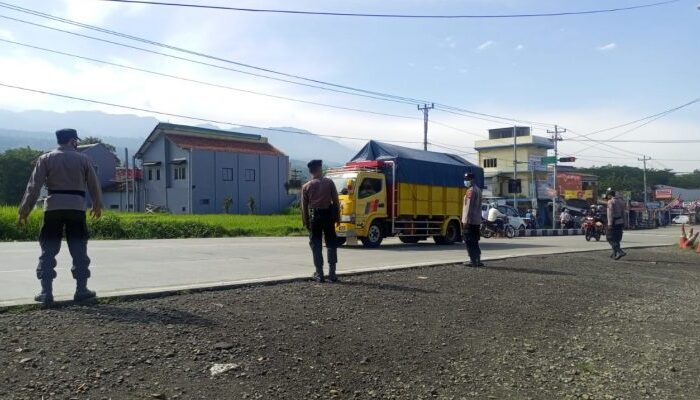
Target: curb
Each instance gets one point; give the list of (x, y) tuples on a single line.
[(154, 293), (549, 232)]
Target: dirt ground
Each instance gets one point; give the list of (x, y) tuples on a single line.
[(552, 327)]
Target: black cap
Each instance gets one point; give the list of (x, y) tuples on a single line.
[(314, 164), (64, 135), (469, 176)]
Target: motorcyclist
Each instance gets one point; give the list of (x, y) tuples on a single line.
[(496, 217), (565, 219)]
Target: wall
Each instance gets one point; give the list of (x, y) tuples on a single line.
[(505, 157), (177, 189), (265, 182), (154, 191), (105, 161)]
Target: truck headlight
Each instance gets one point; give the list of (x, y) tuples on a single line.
[(347, 218)]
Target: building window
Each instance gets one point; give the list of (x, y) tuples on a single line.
[(157, 174), (490, 163), (227, 174), (204, 202), (150, 174), (250, 175), (179, 173), (114, 206)]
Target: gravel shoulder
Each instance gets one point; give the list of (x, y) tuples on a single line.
[(561, 326)]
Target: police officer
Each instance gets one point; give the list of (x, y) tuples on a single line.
[(320, 213), (616, 221), (471, 221), (67, 174)]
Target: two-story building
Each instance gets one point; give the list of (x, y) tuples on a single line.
[(192, 170), (497, 155)]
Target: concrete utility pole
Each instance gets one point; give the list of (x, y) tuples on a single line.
[(515, 163), (556, 138), (425, 110), (644, 160), (126, 177)]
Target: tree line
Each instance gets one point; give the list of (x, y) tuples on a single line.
[(16, 167), (623, 178)]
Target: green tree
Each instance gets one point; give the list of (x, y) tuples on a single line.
[(16, 166), (95, 140)]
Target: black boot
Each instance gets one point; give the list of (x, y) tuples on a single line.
[(318, 275), (479, 263), (332, 277), (82, 293), (46, 295), (619, 253)]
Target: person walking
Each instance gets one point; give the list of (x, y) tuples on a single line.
[(471, 221), (616, 223), (320, 213), (67, 175)]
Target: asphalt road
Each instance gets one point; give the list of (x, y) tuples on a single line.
[(143, 266)]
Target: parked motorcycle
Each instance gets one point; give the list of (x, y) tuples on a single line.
[(593, 228), (490, 229)]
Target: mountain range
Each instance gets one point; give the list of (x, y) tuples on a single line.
[(35, 129)]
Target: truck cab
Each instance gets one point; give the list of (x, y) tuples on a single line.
[(363, 202)]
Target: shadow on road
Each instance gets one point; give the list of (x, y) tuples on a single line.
[(388, 286), (145, 316), (530, 271)]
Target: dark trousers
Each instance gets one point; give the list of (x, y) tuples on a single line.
[(614, 236), (323, 227), (472, 235), (75, 225)]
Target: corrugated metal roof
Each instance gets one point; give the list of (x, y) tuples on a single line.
[(227, 145)]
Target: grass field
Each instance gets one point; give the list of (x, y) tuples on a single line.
[(163, 226)]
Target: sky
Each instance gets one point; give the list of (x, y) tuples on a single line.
[(585, 73)]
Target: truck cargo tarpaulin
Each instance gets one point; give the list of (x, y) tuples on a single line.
[(421, 167)]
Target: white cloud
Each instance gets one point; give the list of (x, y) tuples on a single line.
[(449, 41), (485, 45), (5, 34), (607, 47), (519, 47), (96, 12)]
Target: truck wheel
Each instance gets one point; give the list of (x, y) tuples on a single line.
[(409, 239), (374, 236), (451, 236)]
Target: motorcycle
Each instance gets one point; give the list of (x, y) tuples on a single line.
[(490, 229), (593, 228)]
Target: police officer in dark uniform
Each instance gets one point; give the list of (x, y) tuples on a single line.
[(320, 213), (67, 175), (616, 222)]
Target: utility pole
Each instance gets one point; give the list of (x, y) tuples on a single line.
[(556, 138), (126, 177), (644, 160), (425, 110), (515, 163)]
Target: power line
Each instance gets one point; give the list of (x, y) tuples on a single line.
[(405, 16), (345, 89), (660, 141), (191, 80), (200, 119), (196, 61)]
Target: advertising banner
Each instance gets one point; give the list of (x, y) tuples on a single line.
[(568, 182), (663, 194), (578, 194)]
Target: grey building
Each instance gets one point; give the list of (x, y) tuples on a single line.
[(191, 170), (104, 161)]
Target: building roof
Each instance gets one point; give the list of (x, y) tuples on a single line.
[(192, 137), (522, 141), (227, 145), (85, 147)]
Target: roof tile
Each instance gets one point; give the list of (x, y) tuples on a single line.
[(227, 145)]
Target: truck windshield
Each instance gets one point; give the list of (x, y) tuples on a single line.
[(344, 184)]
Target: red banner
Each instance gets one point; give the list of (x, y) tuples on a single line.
[(663, 194), (568, 182)]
